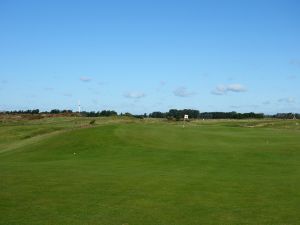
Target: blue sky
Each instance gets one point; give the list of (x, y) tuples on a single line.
[(144, 56)]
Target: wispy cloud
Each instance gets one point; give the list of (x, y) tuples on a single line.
[(292, 77), (220, 90), (266, 103), (236, 88), (183, 92), (31, 95), (162, 83), (135, 95), (204, 75), (235, 106), (223, 89), (288, 100), (67, 94), (85, 79), (250, 106), (95, 102), (295, 62)]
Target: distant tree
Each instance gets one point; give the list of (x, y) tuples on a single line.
[(108, 113), (66, 111), (127, 114), (286, 115), (230, 115), (179, 114), (138, 116), (55, 111), (157, 115), (35, 111)]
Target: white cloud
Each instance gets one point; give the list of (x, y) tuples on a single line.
[(182, 92), (223, 89), (85, 79), (134, 95), (236, 88)]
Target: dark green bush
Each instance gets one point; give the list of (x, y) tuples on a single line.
[(92, 122)]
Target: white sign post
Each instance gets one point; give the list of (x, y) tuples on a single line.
[(186, 117)]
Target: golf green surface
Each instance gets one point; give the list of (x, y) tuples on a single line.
[(63, 171)]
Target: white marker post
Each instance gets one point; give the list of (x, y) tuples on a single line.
[(186, 117)]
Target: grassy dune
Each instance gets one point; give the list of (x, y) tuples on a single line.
[(125, 171)]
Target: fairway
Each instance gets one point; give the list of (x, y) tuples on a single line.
[(149, 172)]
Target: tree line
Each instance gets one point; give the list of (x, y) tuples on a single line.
[(172, 114), (195, 114)]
